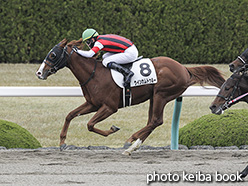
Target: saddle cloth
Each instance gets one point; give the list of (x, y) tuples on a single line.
[(144, 74)]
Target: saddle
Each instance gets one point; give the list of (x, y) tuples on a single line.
[(129, 65), (144, 73)]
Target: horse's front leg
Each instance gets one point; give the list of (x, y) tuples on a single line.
[(81, 110), (104, 112)]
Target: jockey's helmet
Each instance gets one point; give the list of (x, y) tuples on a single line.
[(89, 33)]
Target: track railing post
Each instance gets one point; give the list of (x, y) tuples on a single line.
[(175, 123)]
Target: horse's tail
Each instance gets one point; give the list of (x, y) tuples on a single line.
[(206, 74)]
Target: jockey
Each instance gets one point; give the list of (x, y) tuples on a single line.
[(119, 50)]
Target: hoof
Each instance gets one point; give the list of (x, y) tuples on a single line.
[(126, 153), (115, 128), (63, 147), (133, 147)]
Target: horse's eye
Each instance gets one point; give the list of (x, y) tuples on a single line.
[(227, 88), (53, 55)]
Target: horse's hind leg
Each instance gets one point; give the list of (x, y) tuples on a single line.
[(104, 112), (133, 138), (155, 121), (81, 110)]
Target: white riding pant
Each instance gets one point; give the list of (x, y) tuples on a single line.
[(129, 55)]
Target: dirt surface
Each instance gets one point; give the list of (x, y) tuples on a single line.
[(110, 167)]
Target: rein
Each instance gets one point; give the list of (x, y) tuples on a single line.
[(91, 76), (238, 98)]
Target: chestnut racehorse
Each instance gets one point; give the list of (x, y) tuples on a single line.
[(104, 97)]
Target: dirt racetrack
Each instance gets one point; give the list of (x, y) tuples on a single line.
[(110, 167)]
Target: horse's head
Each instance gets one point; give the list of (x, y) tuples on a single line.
[(229, 91), (240, 62), (55, 60)]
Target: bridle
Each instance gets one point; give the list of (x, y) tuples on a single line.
[(61, 58), (230, 100), (243, 58)]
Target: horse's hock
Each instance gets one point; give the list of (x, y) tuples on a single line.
[(14, 136), (228, 129)]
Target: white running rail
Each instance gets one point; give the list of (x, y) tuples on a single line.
[(9, 91)]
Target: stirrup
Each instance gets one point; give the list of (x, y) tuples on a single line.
[(127, 79)]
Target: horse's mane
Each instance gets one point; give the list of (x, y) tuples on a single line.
[(79, 43)]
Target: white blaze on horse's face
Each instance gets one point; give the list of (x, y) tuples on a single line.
[(42, 72)]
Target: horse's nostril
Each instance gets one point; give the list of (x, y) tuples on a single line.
[(212, 107), (38, 73)]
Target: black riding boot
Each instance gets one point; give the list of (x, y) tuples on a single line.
[(128, 74)]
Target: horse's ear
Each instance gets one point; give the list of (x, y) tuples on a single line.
[(63, 42), (78, 43)]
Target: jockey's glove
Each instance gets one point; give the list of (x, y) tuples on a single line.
[(75, 48)]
